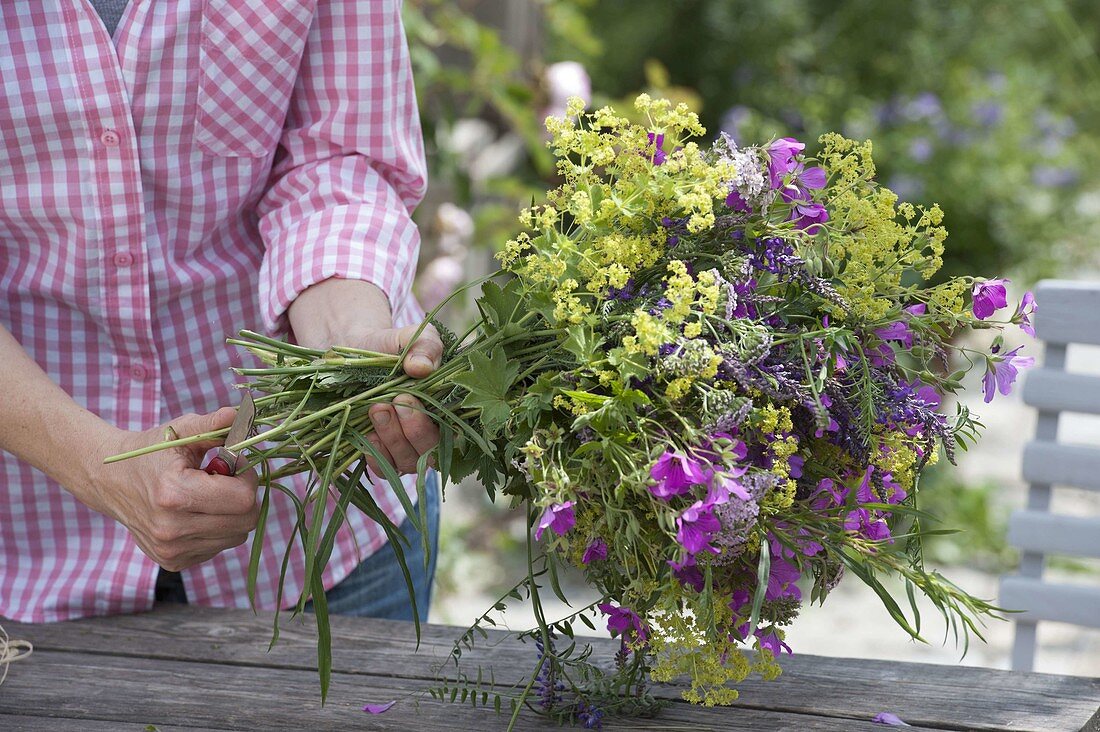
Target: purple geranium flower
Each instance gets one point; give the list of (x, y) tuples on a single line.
[(989, 297), (781, 159), (695, 526), (898, 331), (558, 517), (735, 201), (687, 572), (1024, 312), (1001, 372), (769, 639), (781, 581), (597, 549), (623, 621), (808, 216), (676, 473)]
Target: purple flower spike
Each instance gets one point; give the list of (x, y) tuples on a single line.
[(675, 474), (559, 517), (1002, 371), (1024, 311), (695, 526), (989, 297), (379, 708), (658, 141), (597, 550)]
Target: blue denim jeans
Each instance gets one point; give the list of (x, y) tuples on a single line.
[(376, 588)]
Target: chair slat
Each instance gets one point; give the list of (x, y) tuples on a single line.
[(1052, 390), (1048, 533), (1051, 463), (1067, 312), (1063, 603)]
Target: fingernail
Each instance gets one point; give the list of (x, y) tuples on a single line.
[(402, 410), (421, 362), (381, 417)]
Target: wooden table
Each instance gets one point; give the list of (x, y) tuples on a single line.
[(186, 668)]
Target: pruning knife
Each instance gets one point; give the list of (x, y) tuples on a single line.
[(227, 462)]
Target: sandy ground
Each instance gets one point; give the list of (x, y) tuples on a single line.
[(852, 623)]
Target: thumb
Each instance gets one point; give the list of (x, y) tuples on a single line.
[(426, 352), (190, 425)]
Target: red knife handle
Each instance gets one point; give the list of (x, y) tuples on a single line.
[(218, 466)]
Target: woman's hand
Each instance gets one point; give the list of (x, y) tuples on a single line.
[(178, 514), (357, 314)]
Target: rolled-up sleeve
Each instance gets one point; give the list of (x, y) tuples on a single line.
[(350, 167)]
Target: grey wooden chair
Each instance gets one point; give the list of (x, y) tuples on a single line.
[(1068, 312)]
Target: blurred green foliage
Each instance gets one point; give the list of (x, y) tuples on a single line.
[(987, 107)]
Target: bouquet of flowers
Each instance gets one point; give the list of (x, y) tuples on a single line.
[(706, 373)]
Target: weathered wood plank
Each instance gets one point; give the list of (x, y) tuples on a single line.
[(1067, 311), (24, 723), (1093, 725), (1051, 463), (1054, 390), (1049, 533), (970, 698), (148, 691), (1065, 603)]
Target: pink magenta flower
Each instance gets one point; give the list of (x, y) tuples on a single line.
[(558, 517), (809, 216), (676, 473), (1024, 311), (989, 297), (695, 526), (687, 572), (624, 621), (1001, 372), (596, 550), (781, 159), (769, 639)]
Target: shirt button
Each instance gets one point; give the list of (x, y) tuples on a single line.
[(123, 259), (109, 138), (138, 372)]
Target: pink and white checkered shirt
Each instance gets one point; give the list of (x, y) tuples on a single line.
[(158, 192)]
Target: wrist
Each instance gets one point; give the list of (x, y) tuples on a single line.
[(82, 471), (338, 312)]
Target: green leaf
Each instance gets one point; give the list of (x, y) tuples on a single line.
[(583, 343), (630, 365), (324, 634), (488, 382), (444, 452), (552, 564), (499, 305), (763, 572)]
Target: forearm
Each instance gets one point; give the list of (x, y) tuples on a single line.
[(42, 425)]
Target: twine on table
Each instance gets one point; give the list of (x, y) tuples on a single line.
[(10, 651)]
